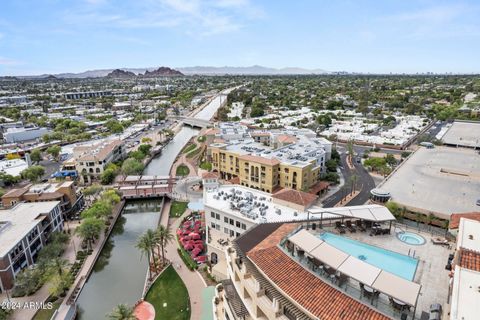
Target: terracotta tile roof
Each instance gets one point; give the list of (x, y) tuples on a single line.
[(234, 180), (295, 196), (321, 185), (258, 159), (15, 193), (455, 218), (209, 175), (314, 295), (470, 259), (284, 138)]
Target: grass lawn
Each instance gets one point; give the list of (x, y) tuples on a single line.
[(182, 170), (201, 139), (178, 208), (46, 314), (206, 166), (189, 148), (193, 153), (169, 297)]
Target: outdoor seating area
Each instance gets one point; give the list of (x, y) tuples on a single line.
[(431, 270), (362, 226), (383, 290), (191, 235)]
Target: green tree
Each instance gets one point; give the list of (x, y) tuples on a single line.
[(108, 176), (132, 167), (33, 173), (54, 151), (114, 126), (331, 165), (390, 160), (145, 149), (122, 312), (90, 230), (164, 236), (36, 156), (146, 243), (393, 207)]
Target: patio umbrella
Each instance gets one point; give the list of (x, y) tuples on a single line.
[(201, 259), (199, 246)]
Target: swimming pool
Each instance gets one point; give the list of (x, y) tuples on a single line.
[(396, 263), (411, 238)]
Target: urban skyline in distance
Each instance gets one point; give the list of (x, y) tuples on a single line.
[(49, 37)]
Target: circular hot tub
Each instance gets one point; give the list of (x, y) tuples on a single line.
[(411, 238)]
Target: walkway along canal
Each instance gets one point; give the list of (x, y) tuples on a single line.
[(119, 273)]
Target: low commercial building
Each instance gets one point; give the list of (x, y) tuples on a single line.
[(64, 192), (24, 230), (13, 167), (440, 181), (13, 135), (463, 134), (91, 160), (268, 160)]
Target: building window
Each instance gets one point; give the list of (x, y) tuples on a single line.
[(237, 224), (244, 226), (217, 216), (212, 214), (213, 225), (225, 219), (225, 230), (231, 222)]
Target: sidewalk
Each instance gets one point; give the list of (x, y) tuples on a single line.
[(192, 279)]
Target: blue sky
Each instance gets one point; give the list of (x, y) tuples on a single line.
[(53, 36)]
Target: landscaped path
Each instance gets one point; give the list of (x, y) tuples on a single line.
[(183, 160), (192, 279)]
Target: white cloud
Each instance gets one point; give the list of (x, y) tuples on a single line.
[(9, 62), (193, 17)]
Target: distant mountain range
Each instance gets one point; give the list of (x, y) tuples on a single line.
[(200, 70)]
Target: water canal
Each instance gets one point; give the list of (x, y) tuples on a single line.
[(119, 273)]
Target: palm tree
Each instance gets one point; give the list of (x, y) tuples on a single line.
[(353, 179), (164, 236), (122, 312), (430, 219), (146, 244)]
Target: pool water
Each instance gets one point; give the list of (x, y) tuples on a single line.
[(396, 263), (411, 238)]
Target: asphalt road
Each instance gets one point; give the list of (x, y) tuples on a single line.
[(364, 182)]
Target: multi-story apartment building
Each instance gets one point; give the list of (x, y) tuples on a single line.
[(268, 161), (91, 160), (232, 210), (64, 192), (24, 230), (87, 95)]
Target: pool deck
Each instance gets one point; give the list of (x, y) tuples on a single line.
[(431, 273)]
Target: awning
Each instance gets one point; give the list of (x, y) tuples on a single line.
[(329, 255), (397, 287), (372, 212), (305, 240), (359, 270)]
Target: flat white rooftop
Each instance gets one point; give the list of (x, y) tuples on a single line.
[(17, 222), (233, 200), (442, 180), (465, 134), (469, 234)]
